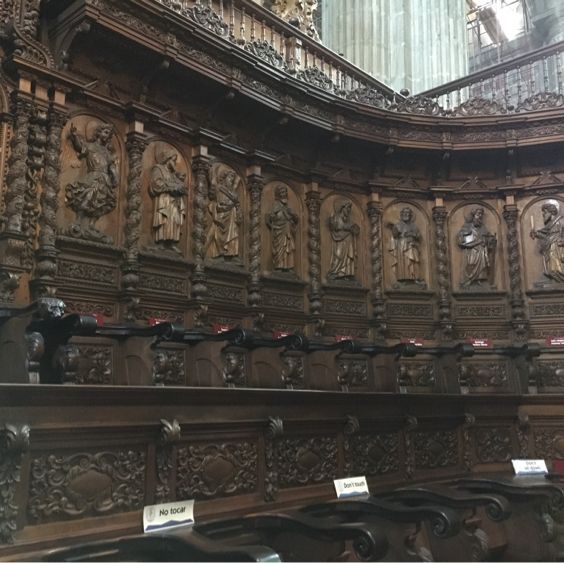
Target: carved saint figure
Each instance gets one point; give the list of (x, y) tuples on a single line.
[(404, 247), (551, 244), (478, 246), (343, 248), (93, 195), (225, 214), (283, 223), (168, 189)]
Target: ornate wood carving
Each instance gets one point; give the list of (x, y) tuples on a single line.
[(14, 443), (74, 485), (435, 449), (305, 461), (443, 275), (549, 443), (168, 368), (313, 203), (467, 441), (135, 147), (234, 369), (493, 445), (293, 371), (518, 314), (484, 374), (416, 374), (377, 296), (35, 351), (255, 186), (46, 266), (95, 365), (374, 454), (352, 373), (206, 471), (200, 168), (411, 423), (273, 432), (523, 434), (170, 434), (351, 428)]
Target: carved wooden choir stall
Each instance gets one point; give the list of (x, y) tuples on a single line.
[(234, 267)]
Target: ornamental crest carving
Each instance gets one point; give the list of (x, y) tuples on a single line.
[(315, 76), (265, 51)]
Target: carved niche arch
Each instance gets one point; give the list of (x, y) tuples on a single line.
[(91, 194), (277, 223), (333, 251), (541, 255), (157, 155), (476, 245), (402, 251)]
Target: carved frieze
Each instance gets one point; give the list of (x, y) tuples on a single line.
[(480, 311), (95, 365), (66, 486), (306, 461), (410, 310), (435, 449), (265, 51), (548, 442), (344, 307), (97, 273), (159, 282), (416, 374), (87, 308), (550, 373), (168, 367), (547, 309), (207, 471), (493, 445), (228, 293), (374, 454), (484, 374), (283, 301)]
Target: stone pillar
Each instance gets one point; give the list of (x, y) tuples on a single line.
[(313, 202), (413, 44)]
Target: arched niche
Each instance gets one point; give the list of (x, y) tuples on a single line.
[(165, 216), (543, 257), (476, 248), (282, 228), (406, 244), (90, 203), (343, 253), (226, 215)]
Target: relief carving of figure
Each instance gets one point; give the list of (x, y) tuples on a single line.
[(343, 248), (95, 194), (551, 241), (478, 246), (168, 189), (225, 214), (404, 247), (283, 223)]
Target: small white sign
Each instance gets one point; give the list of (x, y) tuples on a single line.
[(351, 487), (529, 466), (159, 517)]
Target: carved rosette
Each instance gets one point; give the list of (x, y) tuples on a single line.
[(201, 168), (313, 203), (14, 443), (135, 146), (255, 186), (16, 180), (518, 315), (445, 319), (274, 431), (46, 266), (378, 303)]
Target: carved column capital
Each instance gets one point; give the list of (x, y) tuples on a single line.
[(255, 183), (443, 274), (313, 203), (519, 319), (200, 169), (374, 209)]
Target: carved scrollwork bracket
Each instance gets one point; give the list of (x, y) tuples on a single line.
[(169, 435), (274, 430), (14, 443), (523, 434), (469, 422), (352, 427), (411, 423)]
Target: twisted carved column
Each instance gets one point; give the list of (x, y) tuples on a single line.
[(46, 266), (16, 181), (375, 217), (136, 144), (256, 185), (445, 320), (313, 203), (200, 168), (518, 316)]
